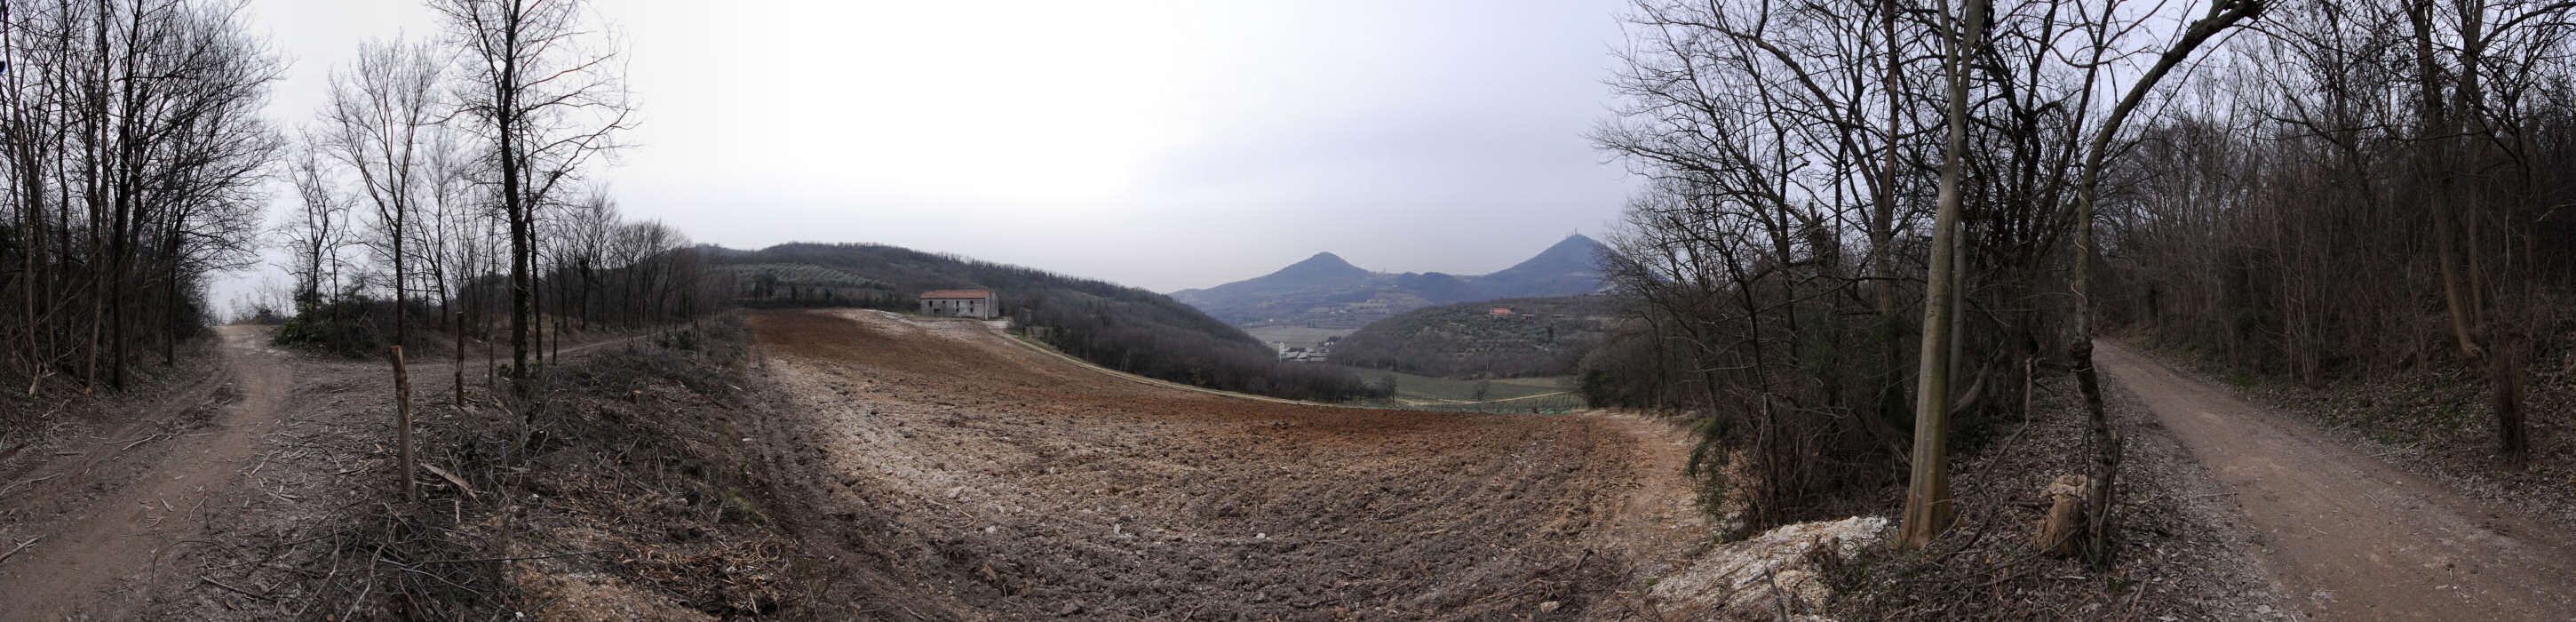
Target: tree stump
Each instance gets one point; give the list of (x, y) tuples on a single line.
[(2065, 519)]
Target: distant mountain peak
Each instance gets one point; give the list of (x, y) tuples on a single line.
[(1325, 291), (1324, 259), (1321, 268), (1575, 253), (1322, 271), (1574, 241)]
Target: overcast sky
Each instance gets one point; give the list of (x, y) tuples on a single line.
[(1163, 145)]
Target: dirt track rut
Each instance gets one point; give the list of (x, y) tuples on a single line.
[(2353, 538)]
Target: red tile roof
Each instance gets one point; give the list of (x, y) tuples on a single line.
[(956, 293)]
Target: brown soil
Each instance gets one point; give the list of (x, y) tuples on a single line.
[(931, 469), (951, 472), (107, 513), (2436, 420), (2351, 537), (938, 469), (231, 493)]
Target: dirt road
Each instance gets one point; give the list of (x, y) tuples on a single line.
[(2353, 538), (124, 500), (960, 475), (194, 506)]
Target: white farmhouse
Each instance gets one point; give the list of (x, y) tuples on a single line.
[(974, 303)]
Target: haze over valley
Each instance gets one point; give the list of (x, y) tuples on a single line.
[(1324, 295)]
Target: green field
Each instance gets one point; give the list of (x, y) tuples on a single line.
[(1546, 404), (1430, 389), (1296, 336)]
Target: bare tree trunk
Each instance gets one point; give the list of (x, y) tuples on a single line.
[(2510, 429), (491, 358), (1960, 266), (170, 308), (2106, 445), (536, 294), (519, 298), (518, 212), (402, 426), (460, 359), (1928, 506), (2457, 238), (402, 293), (1882, 235)]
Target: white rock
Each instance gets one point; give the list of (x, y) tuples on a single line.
[(1746, 576)]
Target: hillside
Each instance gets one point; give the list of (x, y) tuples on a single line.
[(1123, 328), (938, 467), (1541, 337), (1569, 267), (1324, 291)]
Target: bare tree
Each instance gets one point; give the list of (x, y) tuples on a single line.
[(2462, 147), (1786, 142), (1782, 140), (588, 227), (1928, 509), (2366, 162), (2222, 15), (134, 147), (550, 98), (316, 233), (381, 124)]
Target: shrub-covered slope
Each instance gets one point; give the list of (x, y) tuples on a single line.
[(1120, 327), (1540, 337)]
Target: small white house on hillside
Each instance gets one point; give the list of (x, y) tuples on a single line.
[(975, 303)]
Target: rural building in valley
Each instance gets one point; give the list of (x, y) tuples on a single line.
[(974, 303)]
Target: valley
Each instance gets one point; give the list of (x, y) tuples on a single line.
[(570, 310), (1296, 336)]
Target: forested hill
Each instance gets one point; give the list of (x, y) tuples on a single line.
[(1325, 291), (1537, 337), (1121, 327)]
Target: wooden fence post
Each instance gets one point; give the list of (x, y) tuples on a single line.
[(460, 359), (402, 425)]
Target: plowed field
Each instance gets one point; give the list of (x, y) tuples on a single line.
[(952, 472)]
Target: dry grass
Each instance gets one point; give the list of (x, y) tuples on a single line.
[(624, 499)]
